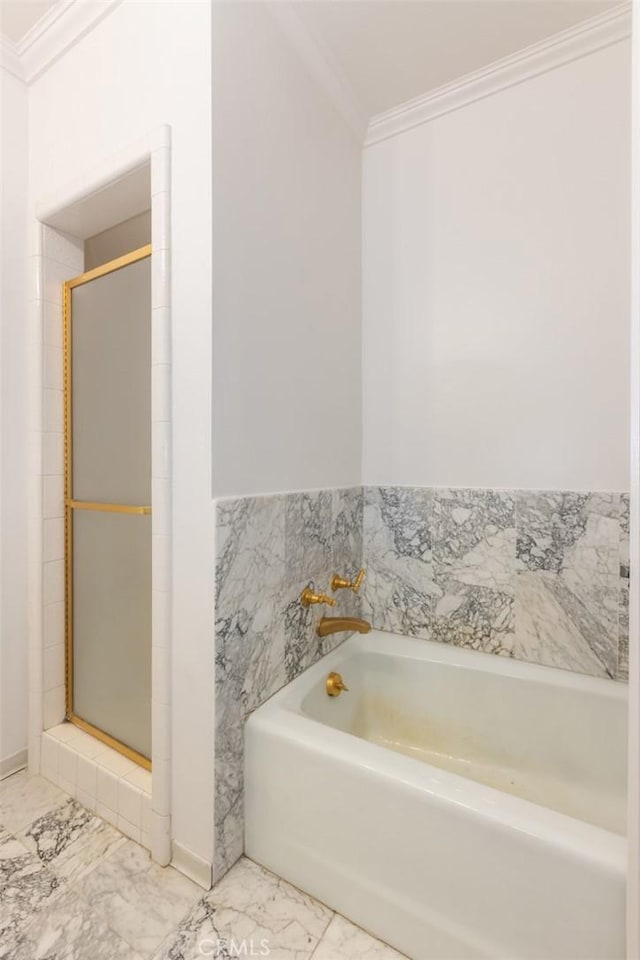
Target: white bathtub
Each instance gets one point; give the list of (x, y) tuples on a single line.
[(499, 834)]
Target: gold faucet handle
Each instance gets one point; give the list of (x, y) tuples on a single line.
[(307, 597), (334, 685), (341, 583)]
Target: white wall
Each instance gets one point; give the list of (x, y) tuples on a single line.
[(82, 111), (496, 277), (286, 284), (13, 519)]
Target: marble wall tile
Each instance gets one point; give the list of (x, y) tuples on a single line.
[(539, 575), (268, 550), (399, 591), (250, 549), (623, 592), (474, 540), (308, 534), (568, 552)]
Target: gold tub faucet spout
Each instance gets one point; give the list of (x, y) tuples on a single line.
[(329, 625)]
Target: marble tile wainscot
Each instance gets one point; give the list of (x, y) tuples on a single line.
[(267, 550), (537, 575)]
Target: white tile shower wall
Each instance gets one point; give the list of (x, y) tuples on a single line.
[(268, 550), (62, 258), (102, 780), (537, 575)]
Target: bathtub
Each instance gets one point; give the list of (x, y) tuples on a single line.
[(455, 804)]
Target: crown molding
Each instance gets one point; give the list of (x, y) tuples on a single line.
[(560, 48), (322, 64), (62, 26), (10, 59)]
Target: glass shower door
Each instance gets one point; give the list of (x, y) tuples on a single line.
[(107, 502)]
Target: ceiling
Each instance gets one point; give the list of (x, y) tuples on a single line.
[(18, 16), (390, 51)]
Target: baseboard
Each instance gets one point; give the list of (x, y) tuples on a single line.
[(17, 761), (193, 866)]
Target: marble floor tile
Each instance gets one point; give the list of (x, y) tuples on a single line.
[(342, 940), (70, 930), (70, 839), (250, 909), (23, 799), (26, 887), (141, 901)]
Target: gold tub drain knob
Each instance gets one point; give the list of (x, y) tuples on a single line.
[(335, 684)]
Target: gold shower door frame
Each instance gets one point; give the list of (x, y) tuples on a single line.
[(70, 505)]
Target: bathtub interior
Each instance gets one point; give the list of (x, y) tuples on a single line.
[(547, 737)]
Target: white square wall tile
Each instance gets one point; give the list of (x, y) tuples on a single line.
[(161, 726), (160, 171), (130, 803), (88, 746), (49, 757), (53, 624), (161, 798), (160, 283), (108, 789), (160, 677), (107, 813), (87, 778), (54, 411), (129, 829), (141, 779), (53, 496), (53, 378), (161, 222), (161, 562), (116, 764), (53, 666), (64, 732), (160, 433), (161, 617), (145, 823), (160, 392), (86, 800), (53, 455), (161, 501), (53, 539), (53, 707), (67, 763), (53, 581), (161, 335), (53, 324)]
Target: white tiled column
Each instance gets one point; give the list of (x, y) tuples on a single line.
[(63, 258), (161, 502)]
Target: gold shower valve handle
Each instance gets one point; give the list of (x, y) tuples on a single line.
[(307, 597), (341, 583)]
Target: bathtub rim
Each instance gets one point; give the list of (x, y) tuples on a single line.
[(282, 716)]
